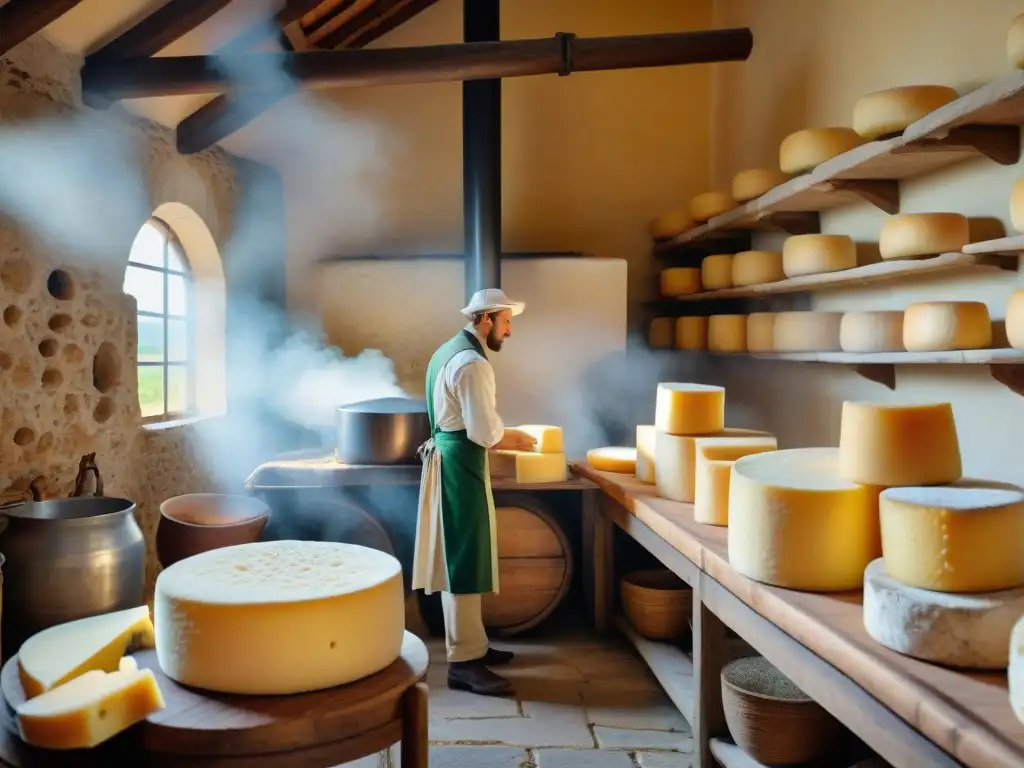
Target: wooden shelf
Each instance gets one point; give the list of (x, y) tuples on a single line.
[(1001, 102), (1003, 246), (959, 357), (731, 756), (671, 666)]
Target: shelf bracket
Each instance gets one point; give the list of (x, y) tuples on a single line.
[(880, 373), (884, 194), (999, 143), (1010, 376), (795, 222)]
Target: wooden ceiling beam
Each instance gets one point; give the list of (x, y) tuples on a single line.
[(340, 35), (158, 30), (20, 19), (292, 11)]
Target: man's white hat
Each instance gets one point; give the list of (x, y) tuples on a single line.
[(492, 300)]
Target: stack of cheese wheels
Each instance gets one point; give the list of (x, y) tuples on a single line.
[(685, 416), (806, 331), (716, 271), (669, 225), (939, 326), (756, 268), (710, 204), (680, 281), (887, 113), (1015, 53), (692, 333), (915, 235), (802, 151), (761, 332), (727, 333), (815, 254), (751, 184), (878, 331), (660, 332)]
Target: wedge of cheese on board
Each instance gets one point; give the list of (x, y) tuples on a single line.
[(528, 466), (715, 457), (90, 709), (549, 439), (62, 653), (675, 459), (613, 458)]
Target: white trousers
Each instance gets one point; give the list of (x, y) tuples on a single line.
[(464, 633)]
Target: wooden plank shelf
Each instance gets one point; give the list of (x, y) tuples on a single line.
[(672, 667), (1004, 246), (1000, 102), (731, 756)]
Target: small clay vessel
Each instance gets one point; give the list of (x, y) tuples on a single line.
[(198, 522)]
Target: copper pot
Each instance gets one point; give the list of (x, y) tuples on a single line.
[(197, 522)]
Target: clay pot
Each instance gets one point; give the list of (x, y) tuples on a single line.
[(197, 522)]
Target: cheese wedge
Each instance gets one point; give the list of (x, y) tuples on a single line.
[(675, 459), (549, 439), (715, 457), (91, 708), (62, 653)]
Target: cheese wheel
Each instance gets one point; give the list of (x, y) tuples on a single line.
[(692, 333), (815, 254), (1015, 320), (675, 460), (896, 444), (669, 225), (967, 631), (613, 459), (1015, 42), (1015, 673), (716, 271), (933, 326), (751, 184), (1017, 205), (761, 332), (715, 457), (549, 439), (307, 615), (806, 331), (710, 204), (961, 538), (756, 268), (879, 331), (680, 281), (689, 409), (645, 441), (528, 467), (727, 333), (795, 523), (886, 113), (802, 151), (912, 235), (660, 332)]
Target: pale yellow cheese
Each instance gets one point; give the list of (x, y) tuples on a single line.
[(802, 151), (806, 331), (675, 460), (727, 333), (761, 332), (887, 113), (692, 333), (795, 523), (933, 326), (913, 235), (1015, 672), (90, 709), (680, 281), (549, 439), (528, 467), (710, 204), (898, 444), (660, 332), (756, 268), (879, 331), (815, 254), (669, 225), (716, 271), (689, 409), (645, 441), (1015, 319), (961, 539), (713, 467), (63, 652), (1017, 205), (280, 617), (752, 183), (1015, 42), (613, 459)]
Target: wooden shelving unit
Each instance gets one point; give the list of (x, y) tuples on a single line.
[(672, 667), (1004, 246)]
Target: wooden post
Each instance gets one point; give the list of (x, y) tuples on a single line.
[(710, 654), (415, 719)]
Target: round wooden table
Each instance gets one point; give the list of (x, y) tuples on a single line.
[(200, 729)]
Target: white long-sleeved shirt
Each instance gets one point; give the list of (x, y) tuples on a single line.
[(465, 398)]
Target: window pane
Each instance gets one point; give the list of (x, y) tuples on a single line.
[(148, 247), (177, 295), (177, 389), (147, 287), (177, 341), (175, 258), (151, 390), (151, 339)]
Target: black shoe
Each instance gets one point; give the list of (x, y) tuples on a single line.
[(474, 677), (495, 657)]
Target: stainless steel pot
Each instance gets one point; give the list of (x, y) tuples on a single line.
[(384, 431), (67, 559)]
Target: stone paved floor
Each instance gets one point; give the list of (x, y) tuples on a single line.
[(581, 702)]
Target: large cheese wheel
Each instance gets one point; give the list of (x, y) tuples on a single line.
[(613, 459), (761, 332), (675, 460), (806, 331), (1015, 319), (802, 151), (680, 281), (710, 204), (967, 537), (692, 332), (879, 331), (1015, 42), (660, 332), (967, 631), (1017, 205), (886, 113), (897, 444), (727, 333), (814, 254), (669, 225), (716, 271), (935, 326), (912, 235), (689, 409), (752, 183), (645, 439), (713, 467), (795, 523), (756, 268), (223, 614)]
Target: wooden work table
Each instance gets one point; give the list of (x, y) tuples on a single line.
[(910, 712)]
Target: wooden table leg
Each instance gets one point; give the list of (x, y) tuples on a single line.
[(710, 654), (415, 717), (598, 561)]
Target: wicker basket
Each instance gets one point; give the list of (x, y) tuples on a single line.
[(770, 718), (657, 603)]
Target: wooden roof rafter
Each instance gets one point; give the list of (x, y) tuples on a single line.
[(20, 19)]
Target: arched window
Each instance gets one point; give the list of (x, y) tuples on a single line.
[(159, 278)]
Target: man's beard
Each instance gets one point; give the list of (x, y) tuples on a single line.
[(493, 342)]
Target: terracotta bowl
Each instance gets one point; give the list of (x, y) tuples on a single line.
[(198, 522)]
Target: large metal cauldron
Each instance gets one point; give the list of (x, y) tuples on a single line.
[(384, 431)]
